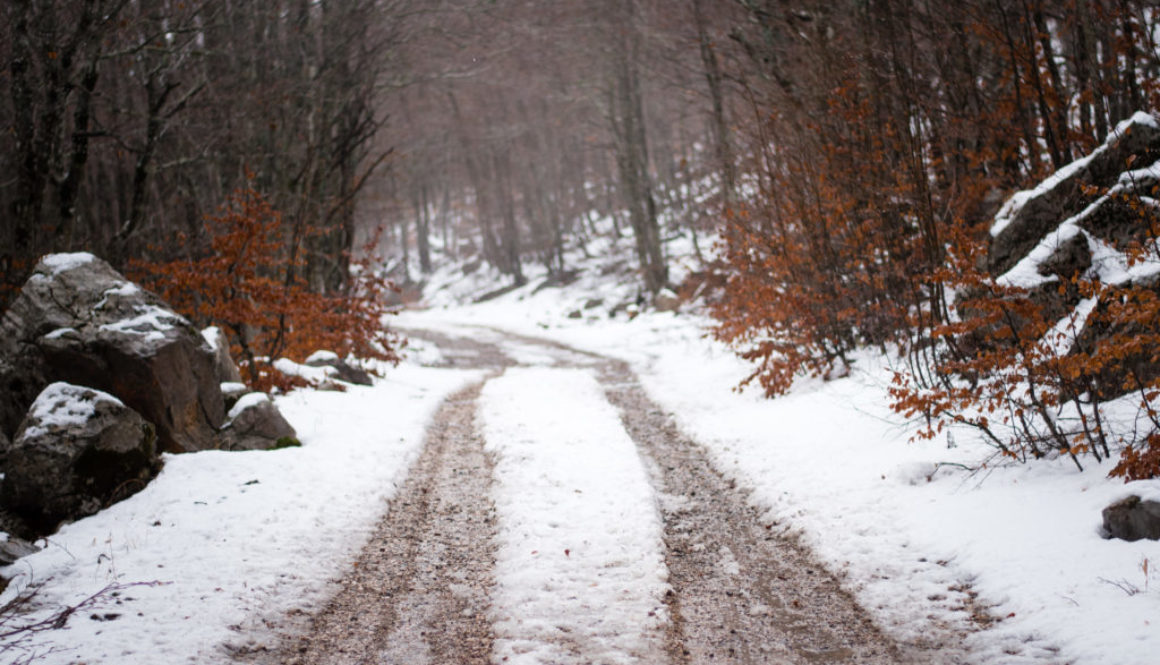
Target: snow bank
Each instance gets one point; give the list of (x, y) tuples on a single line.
[(580, 574), (237, 540)]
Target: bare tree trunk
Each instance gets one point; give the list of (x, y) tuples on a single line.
[(510, 234), (720, 126), (423, 229), (631, 146)]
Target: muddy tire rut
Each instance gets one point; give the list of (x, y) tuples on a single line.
[(419, 591), (741, 591)]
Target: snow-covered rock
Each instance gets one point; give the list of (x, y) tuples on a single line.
[(344, 371), (666, 301), (1030, 215), (256, 424), (1083, 223), (223, 362), (78, 450), (78, 320), (14, 549), (232, 392), (321, 358), (322, 378)]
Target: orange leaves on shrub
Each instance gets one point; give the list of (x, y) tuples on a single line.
[(246, 284), (833, 253), (1139, 461), (1033, 369), (874, 179)]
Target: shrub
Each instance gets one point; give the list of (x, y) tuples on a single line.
[(249, 283)]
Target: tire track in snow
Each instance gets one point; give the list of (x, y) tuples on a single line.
[(580, 575), (742, 593), (419, 590)]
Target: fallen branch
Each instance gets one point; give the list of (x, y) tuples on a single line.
[(16, 630)]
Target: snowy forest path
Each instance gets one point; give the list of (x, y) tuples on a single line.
[(740, 591)]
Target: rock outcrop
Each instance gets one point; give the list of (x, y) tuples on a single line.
[(256, 424), (77, 450), (1030, 215), (1080, 224), (78, 320)]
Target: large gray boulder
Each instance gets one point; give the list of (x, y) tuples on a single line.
[(21, 380), (78, 450), (78, 320), (1029, 215), (256, 424)]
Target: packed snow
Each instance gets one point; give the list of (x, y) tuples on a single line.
[(580, 571)]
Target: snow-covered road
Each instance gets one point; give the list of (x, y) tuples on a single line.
[(515, 500), (612, 540)]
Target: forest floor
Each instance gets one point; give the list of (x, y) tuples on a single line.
[(421, 591)]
